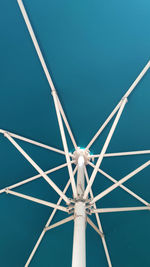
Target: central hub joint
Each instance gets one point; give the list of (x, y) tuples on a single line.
[(80, 153)]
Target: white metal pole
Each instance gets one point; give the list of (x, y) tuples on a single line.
[(79, 247)]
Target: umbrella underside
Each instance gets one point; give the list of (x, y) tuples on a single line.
[(80, 204)]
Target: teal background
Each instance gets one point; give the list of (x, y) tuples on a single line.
[(94, 51)]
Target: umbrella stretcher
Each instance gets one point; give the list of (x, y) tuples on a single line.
[(83, 202)]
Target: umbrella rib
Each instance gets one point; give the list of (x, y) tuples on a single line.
[(122, 186), (47, 224), (43, 63), (68, 219), (128, 153), (99, 223), (29, 159), (134, 84), (66, 123), (33, 199), (33, 177), (36, 45), (63, 137), (106, 144), (94, 226), (122, 209), (32, 142), (123, 180)]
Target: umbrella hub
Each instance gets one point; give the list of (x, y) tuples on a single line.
[(81, 152)]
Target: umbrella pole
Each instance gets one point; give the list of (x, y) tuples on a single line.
[(79, 247)]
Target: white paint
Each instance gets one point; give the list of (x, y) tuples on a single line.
[(79, 254), (79, 247)]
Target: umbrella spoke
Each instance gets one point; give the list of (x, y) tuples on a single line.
[(34, 177), (106, 144), (36, 45), (33, 199), (99, 223), (62, 132), (134, 84), (68, 219), (123, 180), (47, 224), (128, 153), (49, 181), (122, 186), (66, 123), (94, 226), (105, 210), (43, 63), (33, 142), (35, 247)]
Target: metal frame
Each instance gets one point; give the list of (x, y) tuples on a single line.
[(83, 202)]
